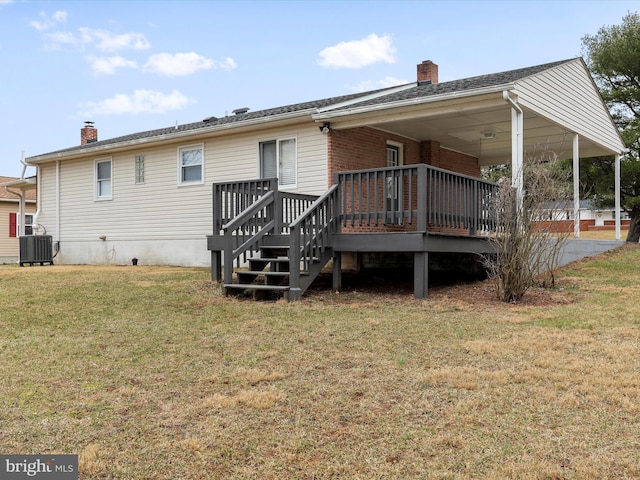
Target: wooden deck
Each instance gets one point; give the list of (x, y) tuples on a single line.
[(418, 209)]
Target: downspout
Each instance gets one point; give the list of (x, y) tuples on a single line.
[(21, 207), (57, 247), (21, 202), (517, 144)]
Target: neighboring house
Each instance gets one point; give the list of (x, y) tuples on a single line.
[(590, 217), (11, 189), (414, 152)]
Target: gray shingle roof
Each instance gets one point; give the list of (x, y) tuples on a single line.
[(420, 90), (472, 83)]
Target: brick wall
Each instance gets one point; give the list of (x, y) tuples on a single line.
[(366, 148)]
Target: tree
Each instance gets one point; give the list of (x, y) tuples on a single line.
[(613, 56)]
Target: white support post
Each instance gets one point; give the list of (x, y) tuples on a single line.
[(617, 197), (517, 146), (576, 186)]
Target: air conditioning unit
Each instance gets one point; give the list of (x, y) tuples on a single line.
[(36, 249)]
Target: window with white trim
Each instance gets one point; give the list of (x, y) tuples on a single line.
[(28, 224), (103, 179), (191, 165), (278, 159)]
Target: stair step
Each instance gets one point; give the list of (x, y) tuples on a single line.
[(263, 272), (251, 286)]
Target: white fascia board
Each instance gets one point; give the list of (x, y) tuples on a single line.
[(412, 102), (284, 118), (23, 183)]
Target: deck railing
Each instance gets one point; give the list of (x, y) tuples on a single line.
[(245, 212), (310, 234), (417, 197), (413, 197)]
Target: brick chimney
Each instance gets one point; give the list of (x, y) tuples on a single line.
[(427, 72), (88, 133)]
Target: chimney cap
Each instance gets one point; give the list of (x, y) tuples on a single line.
[(88, 124)]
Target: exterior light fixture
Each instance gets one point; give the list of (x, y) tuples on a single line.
[(488, 134), (325, 127)]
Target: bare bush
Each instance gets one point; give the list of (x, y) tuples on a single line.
[(529, 239)]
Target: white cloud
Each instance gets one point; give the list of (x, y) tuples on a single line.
[(374, 85), (179, 64), (45, 22), (108, 65), (139, 102), (227, 64), (358, 53), (107, 41), (102, 40)]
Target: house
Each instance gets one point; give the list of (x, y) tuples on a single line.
[(391, 170), (591, 218), (16, 196)]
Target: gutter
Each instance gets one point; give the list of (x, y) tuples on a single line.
[(168, 137)]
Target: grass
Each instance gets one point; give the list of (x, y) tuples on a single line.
[(149, 373)]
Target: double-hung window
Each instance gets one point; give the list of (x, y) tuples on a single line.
[(278, 159), (103, 179), (191, 164)]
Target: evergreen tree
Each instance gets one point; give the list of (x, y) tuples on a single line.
[(613, 56)]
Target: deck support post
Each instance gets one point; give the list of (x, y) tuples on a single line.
[(216, 266), (337, 271), (420, 274)]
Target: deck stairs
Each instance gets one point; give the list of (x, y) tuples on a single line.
[(268, 275)]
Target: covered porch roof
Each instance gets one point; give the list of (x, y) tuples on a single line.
[(474, 116)]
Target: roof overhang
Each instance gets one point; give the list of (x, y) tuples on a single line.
[(241, 126), (21, 184), (474, 122)]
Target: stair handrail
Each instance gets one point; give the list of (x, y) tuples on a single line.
[(245, 231), (311, 233)]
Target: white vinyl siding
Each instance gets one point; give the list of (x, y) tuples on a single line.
[(103, 179), (191, 164), (567, 96), (164, 212)]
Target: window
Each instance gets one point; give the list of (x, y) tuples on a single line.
[(278, 160), (103, 179), (191, 164), (139, 167), (28, 224), (14, 224)]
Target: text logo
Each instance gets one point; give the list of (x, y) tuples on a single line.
[(39, 467)]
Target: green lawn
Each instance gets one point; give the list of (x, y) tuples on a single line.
[(149, 373)]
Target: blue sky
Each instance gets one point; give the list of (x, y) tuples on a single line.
[(138, 65)]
